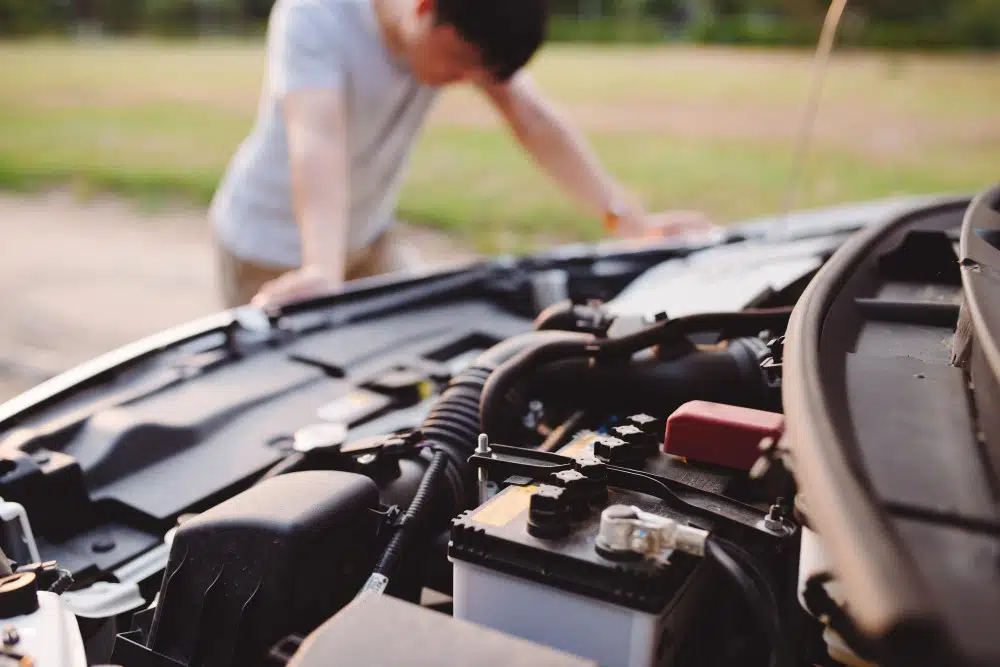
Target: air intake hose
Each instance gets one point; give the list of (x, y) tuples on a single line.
[(732, 376), (610, 362), (453, 424)]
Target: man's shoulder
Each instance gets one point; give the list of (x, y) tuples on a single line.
[(324, 25), (323, 11)]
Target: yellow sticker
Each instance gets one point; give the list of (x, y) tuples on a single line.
[(505, 506), (425, 389), (582, 445)]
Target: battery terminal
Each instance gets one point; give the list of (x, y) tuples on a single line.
[(627, 531)]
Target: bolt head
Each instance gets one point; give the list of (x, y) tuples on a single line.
[(610, 448), (642, 419), (103, 545), (774, 525), (568, 477), (548, 498), (592, 468)]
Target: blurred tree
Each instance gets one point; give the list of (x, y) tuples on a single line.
[(257, 11), (118, 16), (185, 17), (902, 10), (906, 24), (21, 17)]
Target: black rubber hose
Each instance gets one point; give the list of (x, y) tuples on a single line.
[(612, 355), (502, 352), (453, 423), (748, 322), (415, 515), (567, 316), (559, 316), (731, 376), (756, 591)]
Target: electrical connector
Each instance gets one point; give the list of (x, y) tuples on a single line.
[(628, 532)]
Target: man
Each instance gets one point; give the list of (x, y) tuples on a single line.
[(308, 201)]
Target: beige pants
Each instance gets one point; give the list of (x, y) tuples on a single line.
[(239, 279)]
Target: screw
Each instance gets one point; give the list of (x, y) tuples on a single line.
[(103, 545), (10, 636), (483, 447), (773, 520), (777, 346)]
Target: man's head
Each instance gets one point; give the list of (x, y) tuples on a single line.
[(463, 40)]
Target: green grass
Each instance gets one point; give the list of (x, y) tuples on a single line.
[(689, 128)]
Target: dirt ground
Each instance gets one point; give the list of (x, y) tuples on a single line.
[(79, 279)]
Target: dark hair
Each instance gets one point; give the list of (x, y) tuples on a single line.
[(507, 32)]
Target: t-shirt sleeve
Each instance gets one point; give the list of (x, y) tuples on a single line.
[(303, 47)]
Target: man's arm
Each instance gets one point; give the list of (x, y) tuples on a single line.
[(306, 74), (559, 148), (563, 152), (314, 122)]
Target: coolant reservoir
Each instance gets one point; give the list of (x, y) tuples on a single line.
[(36, 627)]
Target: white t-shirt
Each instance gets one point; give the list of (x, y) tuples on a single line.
[(334, 44)]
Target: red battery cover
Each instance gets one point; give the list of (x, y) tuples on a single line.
[(720, 434)]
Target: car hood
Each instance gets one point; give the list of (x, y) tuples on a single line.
[(729, 269)]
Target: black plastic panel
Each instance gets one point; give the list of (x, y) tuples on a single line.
[(383, 337), (960, 571), (117, 442), (100, 549), (888, 339), (194, 443), (922, 256), (206, 436), (916, 437)]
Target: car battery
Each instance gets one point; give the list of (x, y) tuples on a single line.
[(528, 563)]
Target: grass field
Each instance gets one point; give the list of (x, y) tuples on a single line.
[(689, 128)]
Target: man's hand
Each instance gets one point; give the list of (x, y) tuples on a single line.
[(305, 283), (667, 224)]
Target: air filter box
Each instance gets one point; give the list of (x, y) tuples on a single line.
[(277, 559)]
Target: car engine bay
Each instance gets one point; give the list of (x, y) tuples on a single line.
[(749, 451)]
